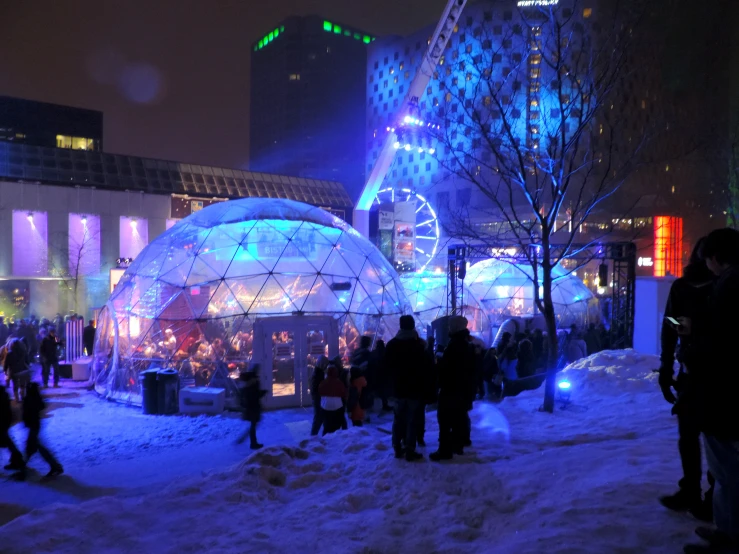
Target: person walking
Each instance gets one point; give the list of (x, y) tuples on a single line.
[(88, 337), (251, 403), (319, 374), (689, 295), (456, 372), (6, 421), (33, 407), (17, 368), (49, 352), (333, 395), (405, 358), (717, 384)]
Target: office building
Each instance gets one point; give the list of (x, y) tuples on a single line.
[(51, 125), (307, 101)]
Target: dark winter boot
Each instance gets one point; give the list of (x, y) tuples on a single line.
[(399, 453), (440, 455), (413, 456), (682, 501), (55, 470)]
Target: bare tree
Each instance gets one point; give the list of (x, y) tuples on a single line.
[(533, 122), (74, 257)]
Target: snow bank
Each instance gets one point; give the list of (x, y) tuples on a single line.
[(584, 479), (613, 372)]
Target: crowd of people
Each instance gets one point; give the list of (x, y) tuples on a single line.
[(699, 325)]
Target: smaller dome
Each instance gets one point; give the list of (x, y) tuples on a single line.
[(506, 289)]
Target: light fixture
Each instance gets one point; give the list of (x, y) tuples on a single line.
[(30, 217), (407, 147), (396, 145), (84, 220), (133, 223), (420, 150), (407, 119), (432, 151), (565, 390)]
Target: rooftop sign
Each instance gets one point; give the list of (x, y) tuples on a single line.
[(532, 3)]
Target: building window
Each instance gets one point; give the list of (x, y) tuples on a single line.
[(587, 12), (535, 59), (384, 84), (395, 80), (507, 43), (487, 16), (84, 245), (468, 77), (507, 16), (391, 70), (294, 76), (386, 60), (535, 73), (401, 66), (377, 64), (75, 143), (407, 74)]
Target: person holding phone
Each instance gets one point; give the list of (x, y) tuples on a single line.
[(689, 295)]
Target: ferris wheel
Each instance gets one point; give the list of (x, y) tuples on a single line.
[(427, 233)]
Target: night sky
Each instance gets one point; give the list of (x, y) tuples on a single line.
[(171, 76)]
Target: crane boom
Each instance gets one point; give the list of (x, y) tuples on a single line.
[(436, 47)]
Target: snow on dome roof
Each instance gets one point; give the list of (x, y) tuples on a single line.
[(213, 274)]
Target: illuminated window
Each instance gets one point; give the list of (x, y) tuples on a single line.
[(534, 130), (535, 59), (395, 79), (667, 168), (673, 189), (487, 100), (535, 73), (468, 77), (534, 88), (400, 67), (534, 104), (536, 31), (75, 143), (643, 104), (294, 76), (601, 128), (448, 97), (587, 12), (391, 70)]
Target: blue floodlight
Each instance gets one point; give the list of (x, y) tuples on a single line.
[(564, 385)]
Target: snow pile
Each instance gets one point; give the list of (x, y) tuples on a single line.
[(613, 372), (584, 479)]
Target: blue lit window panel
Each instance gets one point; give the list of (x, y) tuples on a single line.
[(190, 298)]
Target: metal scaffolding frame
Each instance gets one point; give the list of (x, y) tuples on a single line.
[(622, 256)]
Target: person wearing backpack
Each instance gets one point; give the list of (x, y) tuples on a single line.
[(357, 389), (6, 420)]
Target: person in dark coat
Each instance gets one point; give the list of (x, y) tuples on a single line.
[(456, 372), (378, 374), (33, 407), (360, 365), (49, 353), (405, 357), (429, 386), (17, 368), (6, 420), (251, 403), (88, 337), (716, 385), (689, 296), (4, 331), (319, 374)]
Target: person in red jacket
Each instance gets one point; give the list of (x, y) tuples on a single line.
[(333, 394), (357, 388)]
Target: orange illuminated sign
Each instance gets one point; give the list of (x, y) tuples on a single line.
[(668, 246)]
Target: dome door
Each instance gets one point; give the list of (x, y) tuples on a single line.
[(287, 349)]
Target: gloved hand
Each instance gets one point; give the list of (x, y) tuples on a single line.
[(666, 382)]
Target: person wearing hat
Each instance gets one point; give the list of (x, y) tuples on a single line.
[(251, 403), (456, 373), (405, 359)]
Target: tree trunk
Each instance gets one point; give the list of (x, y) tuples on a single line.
[(551, 323)]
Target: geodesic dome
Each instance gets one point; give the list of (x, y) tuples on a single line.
[(427, 294), (190, 299), (506, 289)]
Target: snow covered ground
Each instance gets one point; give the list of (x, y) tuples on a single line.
[(585, 479)]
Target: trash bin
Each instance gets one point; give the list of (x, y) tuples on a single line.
[(149, 398), (168, 381)]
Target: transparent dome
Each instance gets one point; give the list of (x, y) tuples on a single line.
[(190, 299), (427, 294), (506, 289)]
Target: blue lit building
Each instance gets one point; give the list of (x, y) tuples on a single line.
[(489, 28), (307, 101)]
